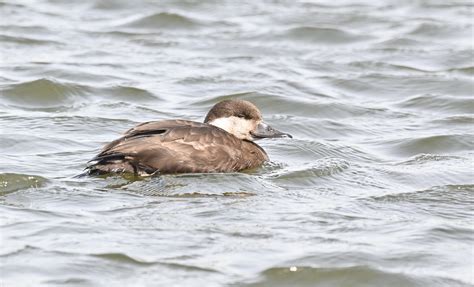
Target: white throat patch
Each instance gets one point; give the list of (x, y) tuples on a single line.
[(239, 127)]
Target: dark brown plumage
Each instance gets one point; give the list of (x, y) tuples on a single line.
[(180, 146), (228, 108)]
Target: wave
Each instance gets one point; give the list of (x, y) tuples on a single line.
[(428, 158), (41, 93), (468, 70), (435, 144), (460, 34), (400, 86), (322, 35), (456, 120), (11, 182), (163, 20), (49, 93), (308, 174), (24, 40), (127, 93), (439, 103), (124, 258), (195, 185), (401, 42), (452, 202), (360, 275)]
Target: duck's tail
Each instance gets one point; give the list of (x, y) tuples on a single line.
[(115, 164)]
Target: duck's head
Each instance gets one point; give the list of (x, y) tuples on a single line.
[(242, 119)]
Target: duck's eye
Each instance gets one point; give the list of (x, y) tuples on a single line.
[(241, 116)]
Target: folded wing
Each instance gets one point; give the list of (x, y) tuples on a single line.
[(176, 147)]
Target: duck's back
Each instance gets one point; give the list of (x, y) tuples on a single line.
[(177, 146)]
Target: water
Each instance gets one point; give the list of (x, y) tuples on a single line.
[(375, 189)]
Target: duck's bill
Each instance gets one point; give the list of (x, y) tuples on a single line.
[(264, 130)]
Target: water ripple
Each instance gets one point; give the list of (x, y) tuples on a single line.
[(322, 35), (360, 276), (166, 21), (374, 189), (11, 182)]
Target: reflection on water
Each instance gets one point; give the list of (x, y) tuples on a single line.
[(375, 189)]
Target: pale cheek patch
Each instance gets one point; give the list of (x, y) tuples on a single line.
[(239, 127)]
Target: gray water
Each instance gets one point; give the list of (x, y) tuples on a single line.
[(375, 189)]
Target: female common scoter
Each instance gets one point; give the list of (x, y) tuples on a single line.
[(223, 143)]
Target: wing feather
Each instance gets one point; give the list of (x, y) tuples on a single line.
[(177, 147)]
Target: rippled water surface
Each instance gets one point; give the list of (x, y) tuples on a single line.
[(375, 189)]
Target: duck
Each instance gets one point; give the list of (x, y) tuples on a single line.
[(224, 142)]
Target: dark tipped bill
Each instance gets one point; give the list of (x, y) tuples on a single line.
[(263, 130)]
